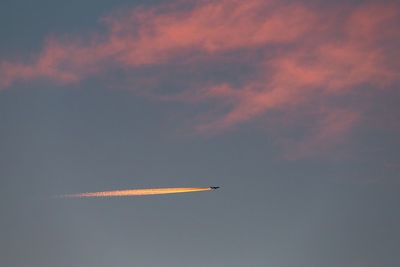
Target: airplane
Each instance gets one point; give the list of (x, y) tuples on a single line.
[(214, 187)]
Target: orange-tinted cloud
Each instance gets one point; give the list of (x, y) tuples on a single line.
[(151, 36), (301, 57)]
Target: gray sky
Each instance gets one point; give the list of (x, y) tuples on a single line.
[(304, 144)]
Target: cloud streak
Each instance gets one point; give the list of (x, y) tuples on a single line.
[(302, 58), (136, 192)]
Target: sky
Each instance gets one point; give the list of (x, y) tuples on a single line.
[(291, 107)]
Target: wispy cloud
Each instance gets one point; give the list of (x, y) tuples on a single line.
[(302, 57)]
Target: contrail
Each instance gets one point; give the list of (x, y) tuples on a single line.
[(138, 192)]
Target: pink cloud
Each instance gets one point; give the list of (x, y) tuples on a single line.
[(305, 58), (149, 36), (327, 132)]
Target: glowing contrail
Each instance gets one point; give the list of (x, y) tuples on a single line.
[(139, 192)]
